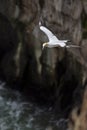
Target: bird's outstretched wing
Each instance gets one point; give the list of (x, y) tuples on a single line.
[(49, 34)]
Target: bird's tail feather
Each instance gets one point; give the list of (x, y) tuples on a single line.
[(68, 46)]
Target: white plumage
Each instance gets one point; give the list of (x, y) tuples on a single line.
[(53, 40)]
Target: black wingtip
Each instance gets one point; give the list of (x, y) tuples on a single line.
[(69, 41)]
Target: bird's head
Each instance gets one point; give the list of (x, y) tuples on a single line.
[(44, 45)]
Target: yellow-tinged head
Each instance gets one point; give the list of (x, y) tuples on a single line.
[(44, 45)]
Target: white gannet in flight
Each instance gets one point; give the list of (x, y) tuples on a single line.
[(53, 40)]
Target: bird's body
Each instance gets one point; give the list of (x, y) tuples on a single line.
[(54, 44), (53, 40)]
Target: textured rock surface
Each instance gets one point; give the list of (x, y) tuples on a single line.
[(71, 9), (12, 54), (67, 21), (78, 116), (85, 5)]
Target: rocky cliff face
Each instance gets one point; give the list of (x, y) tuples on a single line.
[(54, 71)]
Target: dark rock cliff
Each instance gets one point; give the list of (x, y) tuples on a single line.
[(53, 76)]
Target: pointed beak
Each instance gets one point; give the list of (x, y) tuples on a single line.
[(44, 45)]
